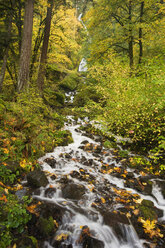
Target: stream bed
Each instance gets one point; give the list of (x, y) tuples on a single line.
[(95, 199)]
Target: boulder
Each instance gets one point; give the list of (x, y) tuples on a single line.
[(116, 220), (87, 241), (50, 161), (149, 211), (73, 191), (46, 226), (37, 179), (50, 192)]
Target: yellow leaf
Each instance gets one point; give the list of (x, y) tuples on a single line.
[(56, 223), (136, 211), (103, 200), (61, 236), (14, 246), (138, 201), (128, 215)]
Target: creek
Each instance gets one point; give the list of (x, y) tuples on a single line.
[(95, 192), (88, 196)]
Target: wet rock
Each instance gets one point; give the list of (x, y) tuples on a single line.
[(147, 184), (115, 220), (46, 226), (130, 175), (88, 162), (73, 191), (88, 241), (37, 179), (50, 161), (84, 142), (88, 147), (67, 155), (49, 209), (59, 244), (50, 192), (97, 149), (149, 211), (161, 185)]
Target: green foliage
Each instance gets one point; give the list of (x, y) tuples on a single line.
[(13, 216), (70, 82), (6, 175), (131, 106)]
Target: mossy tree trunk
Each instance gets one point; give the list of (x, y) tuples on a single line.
[(23, 75)]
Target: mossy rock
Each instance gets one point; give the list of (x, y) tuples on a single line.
[(27, 242), (46, 226), (147, 210)]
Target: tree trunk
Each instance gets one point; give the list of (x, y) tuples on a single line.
[(130, 45), (42, 68), (23, 75), (4, 64), (37, 45), (141, 33), (19, 25)]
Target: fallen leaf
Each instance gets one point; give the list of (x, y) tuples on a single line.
[(103, 200)]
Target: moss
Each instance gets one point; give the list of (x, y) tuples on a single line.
[(46, 226), (109, 144), (123, 154), (147, 210)]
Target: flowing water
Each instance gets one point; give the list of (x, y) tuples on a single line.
[(87, 195), (83, 168)]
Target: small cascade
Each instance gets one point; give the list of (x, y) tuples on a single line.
[(87, 195)]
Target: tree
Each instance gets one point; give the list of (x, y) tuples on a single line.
[(23, 75), (42, 68), (7, 43)]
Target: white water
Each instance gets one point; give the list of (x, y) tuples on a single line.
[(81, 213)]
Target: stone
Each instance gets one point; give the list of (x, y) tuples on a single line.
[(73, 191), (50, 161), (46, 226), (50, 192), (87, 241), (37, 179), (149, 211), (114, 220)]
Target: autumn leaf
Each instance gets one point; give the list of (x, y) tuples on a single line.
[(61, 236), (103, 200), (3, 198), (136, 211)]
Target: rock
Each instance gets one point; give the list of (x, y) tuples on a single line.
[(114, 220), (46, 226), (84, 142), (97, 148), (73, 191), (50, 192), (37, 179), (149, 211), (59, 244), (161, 185), (51, 209), (50, 161), (88, 241), (88, 147)]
